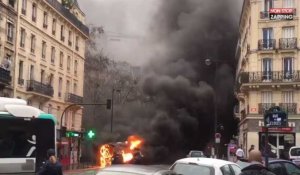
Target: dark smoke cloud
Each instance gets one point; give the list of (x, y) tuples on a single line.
[(181, 88)]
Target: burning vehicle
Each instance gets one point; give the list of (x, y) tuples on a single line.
[(122, 152)]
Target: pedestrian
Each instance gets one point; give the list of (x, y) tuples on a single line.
[(51, 166), (251, 148), (240, 152), (256, 166)]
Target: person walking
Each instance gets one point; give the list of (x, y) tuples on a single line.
[(256, 166), (51, 166)]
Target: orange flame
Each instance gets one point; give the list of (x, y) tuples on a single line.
[(106, 154), (135, 144), (127, 157)]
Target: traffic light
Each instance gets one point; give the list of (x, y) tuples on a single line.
[(63, 131), (108, 104), (91, 134), (72, 134)]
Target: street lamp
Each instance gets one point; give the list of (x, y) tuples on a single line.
[(112, 108), (208, 62)]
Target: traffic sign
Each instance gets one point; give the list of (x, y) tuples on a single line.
[(218, 140), (275, 117), (217, 135)]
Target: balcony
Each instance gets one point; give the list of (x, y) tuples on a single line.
[(262, 107), (289, 108), (288, 43), (264, 15), (266, 44), (72, 98), (40, 88), (5, 77), (270, 76), (67, 14)]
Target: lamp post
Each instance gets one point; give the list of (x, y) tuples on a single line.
[(112, 108), (208, 62)]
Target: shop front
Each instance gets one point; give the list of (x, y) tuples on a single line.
[(280, 141)]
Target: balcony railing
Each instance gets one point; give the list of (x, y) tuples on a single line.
[(270, 76), (67, 14), (262, 107), (72, 98), (288, 43), (266, 44), (264, 14), (5, 77), (290, 108), (39, 87)]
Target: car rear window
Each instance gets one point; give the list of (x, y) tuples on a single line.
[(196, 154), (192, 169), (295, 152)]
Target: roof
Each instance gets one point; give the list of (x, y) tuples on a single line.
[(139, 169), (205, 161)]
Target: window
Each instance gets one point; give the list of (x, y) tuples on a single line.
[(287, 96), (59, 86), (51, 79), (23, 37), (53, 26), (61, 59), (75, 88), (42, 76), (73, 118), (62, 33), (34, 12), (52, 55), (268, 5), (236, 169), (20, 79), (276, 168), (44, 49), (45, 23), (68, 63), (291, 169), (288, 68), (266, 97), (76, 43), (75, 67), (226, 170), (24, 6), (288, 3), (31, 74), (50, 109), (11, 3), (267, 69), (268, 42), (288, 32), (10, 32), (191, 169), (70, 38), (68, 86), (32, 46)]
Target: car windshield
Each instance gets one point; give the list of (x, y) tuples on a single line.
[(191, 169), (295, 152), (196, 154)]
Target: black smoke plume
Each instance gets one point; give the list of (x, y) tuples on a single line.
[(178, 114)]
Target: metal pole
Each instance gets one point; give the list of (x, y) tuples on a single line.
[(267, 147), (112, 110), (215, 109)]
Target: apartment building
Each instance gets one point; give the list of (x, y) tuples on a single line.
[(268, 74), (44, 40), (8, 20)]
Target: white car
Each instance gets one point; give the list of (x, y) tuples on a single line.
[(205, 166)]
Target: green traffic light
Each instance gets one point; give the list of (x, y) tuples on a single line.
[(91, 134)]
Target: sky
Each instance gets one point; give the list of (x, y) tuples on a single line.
[(129, 20)]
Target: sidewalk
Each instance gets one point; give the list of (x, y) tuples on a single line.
[(86, 171)]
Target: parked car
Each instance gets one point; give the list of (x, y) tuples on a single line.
[(205, 166), (294, 155), (128, 169), (283, 167), (195, 153)]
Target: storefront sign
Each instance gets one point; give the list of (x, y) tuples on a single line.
[(285, 130)]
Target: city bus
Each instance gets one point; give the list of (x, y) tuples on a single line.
[(26, 133)]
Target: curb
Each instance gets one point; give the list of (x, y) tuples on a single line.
[(81, 170)]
